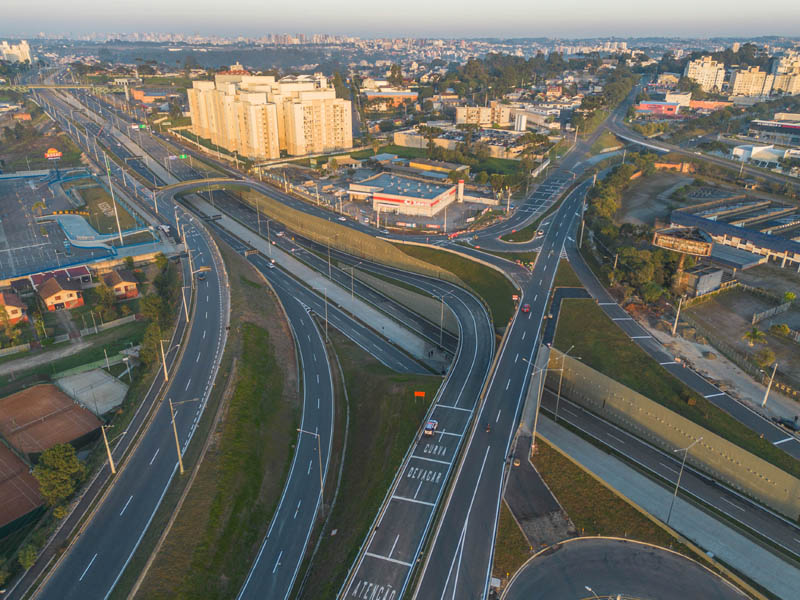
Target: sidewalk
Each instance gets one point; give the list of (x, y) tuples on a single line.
[(734, 549), (387, 327)]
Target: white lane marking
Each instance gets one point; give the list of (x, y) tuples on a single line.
[(277, 562), (204, 334), (441, 462), (315, 357), (418, 488), (788, 439), (126, 505), (714, 395), (671, 362), (381, 557), (508, 383), (524, 333), (206, 297), (198, 358), (394, 545), (622, 319), (535, 297), (89, 565), (668, 468), (296, 510), (317, 377), (187, 385), (309, 468), (317, 403), (516, 358), (641, 337), (498, 415), (453, 407), (154, 455), (611, 435), (606, 304), (732, 504)]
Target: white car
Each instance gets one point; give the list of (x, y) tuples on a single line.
[(431, 427), (343, 219)]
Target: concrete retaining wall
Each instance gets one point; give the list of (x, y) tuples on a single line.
[(428, 307), (14, 349), (664, 428)]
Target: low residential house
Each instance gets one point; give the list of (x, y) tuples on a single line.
[(15, 309), (123, 283), (58, 294)]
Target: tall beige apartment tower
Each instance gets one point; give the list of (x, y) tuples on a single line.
[(707, 72), (259, 116)]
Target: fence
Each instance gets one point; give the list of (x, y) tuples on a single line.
[(668, 430), (14, 349), (775, 310), (108, 325)]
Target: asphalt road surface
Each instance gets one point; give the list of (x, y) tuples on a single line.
[(274, 570), (603, 568), (95, 561)]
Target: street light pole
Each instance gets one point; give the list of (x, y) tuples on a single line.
[(175, 431), (680, 474), (163, 360), (560, 378), (319, 454), (769, 385)]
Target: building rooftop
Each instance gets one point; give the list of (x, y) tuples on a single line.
[(404, 186)]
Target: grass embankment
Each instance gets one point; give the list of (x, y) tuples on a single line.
[(605, 347), (384, 418), (606, 141), (526, 258), (511, 548), (594, 508), (565, 276), (333, 234), (489, 284), (236, 487)]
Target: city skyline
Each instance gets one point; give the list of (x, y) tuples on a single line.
[(620, 18)]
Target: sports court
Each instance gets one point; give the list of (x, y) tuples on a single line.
[(41, 417), (19, 491)]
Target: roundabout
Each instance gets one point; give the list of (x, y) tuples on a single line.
[(601, 568)]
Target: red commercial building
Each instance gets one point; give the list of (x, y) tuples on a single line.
[(669, 109)]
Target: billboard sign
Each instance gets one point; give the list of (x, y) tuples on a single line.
[(52, 154)]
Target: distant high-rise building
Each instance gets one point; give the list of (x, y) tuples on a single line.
[(708, 73), (786, 70), (15, 52), (258, 116), (751, 82)]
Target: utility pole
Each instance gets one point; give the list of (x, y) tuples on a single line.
[(163, 360), (108, 450), (175, 431), (258, 216), (675, 324), (441, 323), (616, 258), (769, 385)]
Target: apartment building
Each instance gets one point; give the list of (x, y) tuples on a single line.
[(786, 71), (494, 114), (751, 82), (707, 72), (15, 52), (259, 116)]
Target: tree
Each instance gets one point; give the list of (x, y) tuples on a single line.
[(128, 262), (395, 75), (764, 357), (105, 296), (27, 556), (376, 145), (150, 352), (482, 178), (58, 472), (153, 308), (789, 297), (755, 336)]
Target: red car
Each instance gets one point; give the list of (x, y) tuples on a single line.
[(526, 308)]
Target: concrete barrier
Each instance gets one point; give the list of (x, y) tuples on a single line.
[(423, 305), (666, 429)]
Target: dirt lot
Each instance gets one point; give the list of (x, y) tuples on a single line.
[(772, 278), (646, 199), (729, 315)]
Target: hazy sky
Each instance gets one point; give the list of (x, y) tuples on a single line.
[(371, 18)]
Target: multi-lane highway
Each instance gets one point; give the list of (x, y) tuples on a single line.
[(95, 561)]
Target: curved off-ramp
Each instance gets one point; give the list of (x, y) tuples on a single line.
[(611, 566)]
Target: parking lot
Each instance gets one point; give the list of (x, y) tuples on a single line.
[(25, 245)]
